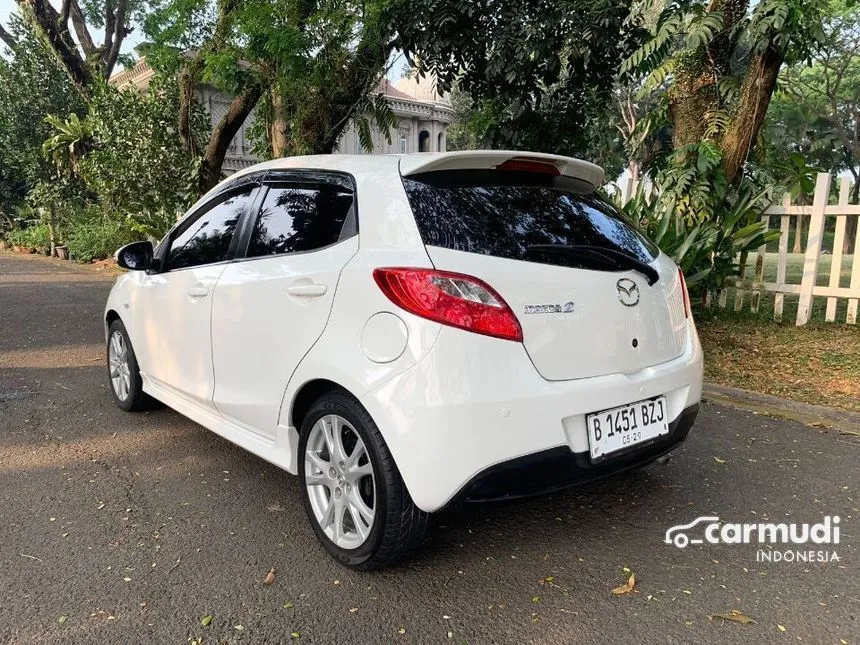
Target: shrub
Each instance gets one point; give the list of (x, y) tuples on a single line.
[(16, 237), (98, 239), (33, 237), (709, 250)]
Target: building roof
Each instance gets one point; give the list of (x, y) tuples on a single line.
[(409, 88), (423, 88)]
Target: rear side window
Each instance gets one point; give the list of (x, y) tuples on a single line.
[(297, 218), (517, 215)]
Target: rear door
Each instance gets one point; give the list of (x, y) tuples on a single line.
[(271, 306), (592, 294)]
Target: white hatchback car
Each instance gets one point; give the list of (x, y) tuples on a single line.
[(406, 333)]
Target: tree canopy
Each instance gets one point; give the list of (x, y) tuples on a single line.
[(816, 109), (84, 59), (311, 66), (32, 86), (539, 73)]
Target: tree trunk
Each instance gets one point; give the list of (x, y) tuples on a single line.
[(798, 235), (279, 127), (7, 38), (695, 91), (754, 96), (55, 33), (52, 233), (850, 236), (851, 222), (633, 168), (223, 133), (691, 98)]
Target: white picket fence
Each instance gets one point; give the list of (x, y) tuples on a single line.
[(816, 215)]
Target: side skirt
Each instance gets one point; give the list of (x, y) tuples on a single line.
[(281, 452)]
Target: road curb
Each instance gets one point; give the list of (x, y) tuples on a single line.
[(820, 416)]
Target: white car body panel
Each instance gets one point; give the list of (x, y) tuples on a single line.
[(449, 403), (473, 414), (595, 337), (261, 331), (169, 318)]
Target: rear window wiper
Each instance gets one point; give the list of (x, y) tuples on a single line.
[(616, 258)]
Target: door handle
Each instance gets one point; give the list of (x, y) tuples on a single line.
[(307, 290), (198, 292)]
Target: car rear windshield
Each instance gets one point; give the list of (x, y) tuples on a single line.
[(521, 216)]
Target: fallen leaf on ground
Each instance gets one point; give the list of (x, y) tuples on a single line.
[(206, 620), (719, 461), (62, 619), (270, 577), (627, 587), (780, 628), (734, 616), (288, 605), (296, 635)]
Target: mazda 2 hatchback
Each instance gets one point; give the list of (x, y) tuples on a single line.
[(408, 333)]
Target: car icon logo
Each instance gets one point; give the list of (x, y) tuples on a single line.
[(676, 535), (628, 292)]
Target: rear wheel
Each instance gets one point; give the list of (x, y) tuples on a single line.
[(353, 493), (123, 372)]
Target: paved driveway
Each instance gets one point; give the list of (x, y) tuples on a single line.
[(119, 528)]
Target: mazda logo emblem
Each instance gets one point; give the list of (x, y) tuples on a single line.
[(628, 292)]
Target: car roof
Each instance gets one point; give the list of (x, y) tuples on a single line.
[(385, 225), (411, 164)]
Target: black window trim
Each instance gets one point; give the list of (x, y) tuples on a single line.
[(303, 177), (252, 181)]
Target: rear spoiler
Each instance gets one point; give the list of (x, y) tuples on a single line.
[(488, 159)]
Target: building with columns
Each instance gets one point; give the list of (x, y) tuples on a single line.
[(422, 113)]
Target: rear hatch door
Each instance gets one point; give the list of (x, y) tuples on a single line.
[(592, 294)]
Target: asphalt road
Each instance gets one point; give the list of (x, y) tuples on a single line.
[(122, 528)]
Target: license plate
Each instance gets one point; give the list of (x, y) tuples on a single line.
[(625, 426)]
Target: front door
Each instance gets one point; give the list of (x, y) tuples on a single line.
[(174, 307), (271, 307)]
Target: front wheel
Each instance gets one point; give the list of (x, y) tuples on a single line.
[(352, 491), (123, 372)]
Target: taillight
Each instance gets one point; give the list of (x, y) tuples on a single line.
[(451, 299), (686, 295)]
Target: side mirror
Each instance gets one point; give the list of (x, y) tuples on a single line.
[(136, 256)]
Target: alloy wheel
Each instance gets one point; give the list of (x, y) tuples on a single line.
[(120, 374), (340, 481)]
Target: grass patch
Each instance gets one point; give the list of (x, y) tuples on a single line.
[(817, 363), (794, 275)]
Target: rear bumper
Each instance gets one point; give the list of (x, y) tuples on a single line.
[(459, 422), (559, 468)]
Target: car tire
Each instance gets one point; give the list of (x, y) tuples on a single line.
[(128, 391), (398, 526)]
